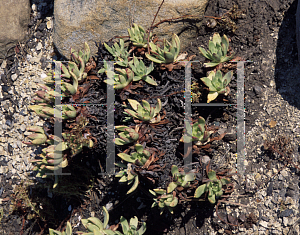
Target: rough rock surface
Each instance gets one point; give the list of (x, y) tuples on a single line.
[(97, 20), (14, 19)]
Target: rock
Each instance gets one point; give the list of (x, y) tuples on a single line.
[(38, 35), (77, 21), (205, 159), (257, 90), (41, 27), (39, 46), (285, 213), (14, 19), (14, 77)]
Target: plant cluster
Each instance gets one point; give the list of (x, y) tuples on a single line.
[(131, 68), (217, 83), (95, 226), (54, 155)]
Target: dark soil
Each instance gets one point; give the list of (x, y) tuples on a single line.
[(86, 191)]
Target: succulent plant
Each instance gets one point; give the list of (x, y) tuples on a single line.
[(127, 175), (141, 71), (139, 157), (217, 52), (47, 111), (121, 80), (144, 111), (213, 187), (166, 55), (96, 226), (68, 230), (196, 133), (80, 59), (107, 69), (137, 36), (131, 228), (164, 200), (127, 136), (84, 55), (181, 179), (119, 52), (217, 84), (38, 137)]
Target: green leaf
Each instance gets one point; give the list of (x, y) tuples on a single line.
[(200, 190), (212, 198), (212, 175), (134, 222), (149, 80), (154, 59), (174, 170), (212, 95), (106, 217), (159, 191), (134, 186), (124, 224), (142, 229), (126, 157), (189, 177), (171, 187)]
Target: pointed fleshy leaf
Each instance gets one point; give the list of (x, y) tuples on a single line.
[(126, 157), (134, 186), (212, 96), (189, 177), (171, 187), (149, 80), (200, 190), (124, 224)]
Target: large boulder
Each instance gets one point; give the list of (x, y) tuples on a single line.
[(77, 21), (14, 19)]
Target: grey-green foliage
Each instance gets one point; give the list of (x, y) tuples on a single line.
[(144, 111), (137, 36), (217, 53), (213, 187), (119, 52), (217, 84), (96, 226), (108, 70), (127, 135), (164, 200), (127, 176), (180, 179), (120, 80), (131, 228), (138, 158), (168, 54), (196, 133), (141, 72), (68, 230)]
